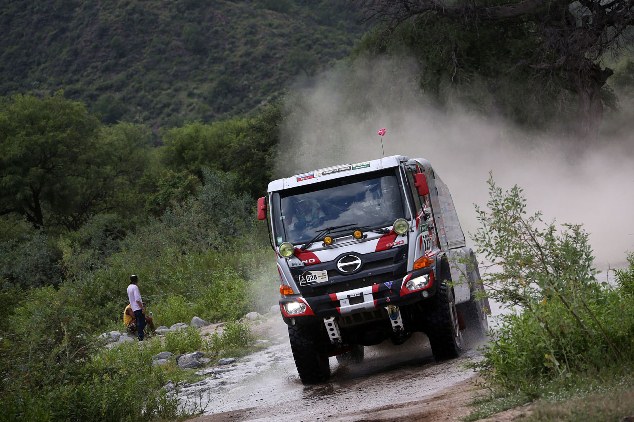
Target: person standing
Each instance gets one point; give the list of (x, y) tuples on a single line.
[(136, 303)]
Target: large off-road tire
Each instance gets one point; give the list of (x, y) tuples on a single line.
[(475, 311), (310, 351), (441, 322), (355, 355)]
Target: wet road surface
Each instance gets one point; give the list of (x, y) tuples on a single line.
[(392, 383)]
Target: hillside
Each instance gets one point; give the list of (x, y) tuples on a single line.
[(166, 62)]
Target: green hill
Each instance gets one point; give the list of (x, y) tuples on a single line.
[(164, 62)]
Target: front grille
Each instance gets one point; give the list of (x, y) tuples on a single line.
[(378, 267)]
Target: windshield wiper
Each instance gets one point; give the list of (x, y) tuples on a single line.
[(379, 229), (324, 232)]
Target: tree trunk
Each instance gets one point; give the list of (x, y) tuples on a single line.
[(588, 84)]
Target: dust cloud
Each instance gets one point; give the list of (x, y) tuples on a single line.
[(334, 118)]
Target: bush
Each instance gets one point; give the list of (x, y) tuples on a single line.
[(183, 341), (625, 277), (236, 340), (560, 320), (171, 310), (27, 256)]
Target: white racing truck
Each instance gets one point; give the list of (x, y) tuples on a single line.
[(368, 252)]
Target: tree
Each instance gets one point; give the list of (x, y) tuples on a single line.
[(46, 146), (572, 36)]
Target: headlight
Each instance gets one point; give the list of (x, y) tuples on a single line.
[(401, 226), (417, 283), (295, 308), (287, 249)]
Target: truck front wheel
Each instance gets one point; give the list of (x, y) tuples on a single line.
[(310, 351), (442, 325)]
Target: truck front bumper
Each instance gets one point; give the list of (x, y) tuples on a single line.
[(414, 287)]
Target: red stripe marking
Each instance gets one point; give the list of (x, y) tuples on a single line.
[(375, 288), (307, 257), (333, 297), (386, 241)]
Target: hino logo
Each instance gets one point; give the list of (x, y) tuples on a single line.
[(349, 264)]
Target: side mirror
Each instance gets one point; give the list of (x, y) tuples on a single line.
[(420, 181), (262, 208)]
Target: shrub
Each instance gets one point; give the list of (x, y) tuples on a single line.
[(560, 320), (235, 340), (625, 277), (183, 341), (172, 309)]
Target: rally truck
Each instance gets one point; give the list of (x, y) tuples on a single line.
[(368, 252)]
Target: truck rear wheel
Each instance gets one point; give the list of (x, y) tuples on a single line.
[(355, 355), (442, 325), (476, 310), (310, 351)]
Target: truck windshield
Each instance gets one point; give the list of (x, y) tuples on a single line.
[(371, 200)]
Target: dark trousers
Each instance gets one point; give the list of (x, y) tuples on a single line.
[(140, 323)]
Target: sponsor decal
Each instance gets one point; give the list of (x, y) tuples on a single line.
[(426, 242), (388, 284), (331, 170), (312, 277), (360, 166), (338, 169)]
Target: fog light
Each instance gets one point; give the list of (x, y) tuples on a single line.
[(287, 249), (295, 308), (357, 234), (401, 226), (328, 240), (425, 293), (417, 283)]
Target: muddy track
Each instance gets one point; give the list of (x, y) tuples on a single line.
[(393, 383)]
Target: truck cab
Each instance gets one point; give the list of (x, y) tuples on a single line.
[(368, 252)]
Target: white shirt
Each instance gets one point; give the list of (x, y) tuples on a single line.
[(134, 295)]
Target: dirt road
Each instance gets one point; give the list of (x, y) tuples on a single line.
[(393, 383)]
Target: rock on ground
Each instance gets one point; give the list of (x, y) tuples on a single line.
[(252, 316), (198, 322)]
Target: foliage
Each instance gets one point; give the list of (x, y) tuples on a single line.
[(560, 320), (478, 67), (28, 258), (118, 384), (242, 146), (47, 153), (59, 166), (549, 34), (47, 338), (625, 276), (168, 62), (183, 341), (235, 340)]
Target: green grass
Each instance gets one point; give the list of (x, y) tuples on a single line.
[(603, 395)]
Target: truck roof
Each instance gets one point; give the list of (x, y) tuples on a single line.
[(334, 172)]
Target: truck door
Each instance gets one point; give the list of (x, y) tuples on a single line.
[(423, 234)]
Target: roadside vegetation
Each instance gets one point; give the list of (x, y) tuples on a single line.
[(564, 336), (84, 205)]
